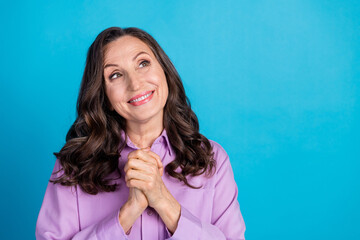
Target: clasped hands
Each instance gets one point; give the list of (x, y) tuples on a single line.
[(143, 172)]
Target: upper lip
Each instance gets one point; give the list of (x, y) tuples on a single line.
[(140, 95)]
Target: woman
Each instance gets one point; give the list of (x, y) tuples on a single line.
[(134, 165)]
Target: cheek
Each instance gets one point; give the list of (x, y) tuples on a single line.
[(109, 94), (162, 84), (165, 91), (165, 88), (114, 94)]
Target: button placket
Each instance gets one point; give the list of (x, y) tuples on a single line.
[(149, 224), (150, 212)]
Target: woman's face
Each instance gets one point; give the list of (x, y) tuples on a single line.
[(135, 82)]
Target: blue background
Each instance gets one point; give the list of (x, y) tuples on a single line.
[(275, 82)]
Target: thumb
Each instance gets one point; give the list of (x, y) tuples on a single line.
[(146, 149), (158, 161)]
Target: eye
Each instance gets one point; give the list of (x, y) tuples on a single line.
[(115, 75), (144, 63)]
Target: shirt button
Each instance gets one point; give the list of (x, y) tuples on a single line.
[(149, 212)]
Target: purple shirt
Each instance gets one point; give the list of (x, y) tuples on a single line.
[(211, 212)]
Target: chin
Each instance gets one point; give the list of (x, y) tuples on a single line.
[(146, 116)]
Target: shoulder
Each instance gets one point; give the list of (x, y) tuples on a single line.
[(220, 155), (58, 170), (223, 170), (217, 148)]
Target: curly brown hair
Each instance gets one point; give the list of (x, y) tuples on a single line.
[(93, 143)]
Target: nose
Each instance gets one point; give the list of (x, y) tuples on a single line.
[(134, 82)]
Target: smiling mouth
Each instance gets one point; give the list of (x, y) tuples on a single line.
[(141, 98)]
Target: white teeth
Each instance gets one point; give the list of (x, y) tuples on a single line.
[(141, 98)]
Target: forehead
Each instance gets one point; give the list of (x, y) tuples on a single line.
[(125, 47)]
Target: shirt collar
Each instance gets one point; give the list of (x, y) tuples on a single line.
[(163, 138)]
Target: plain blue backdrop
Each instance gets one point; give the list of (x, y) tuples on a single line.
[(276, 83)]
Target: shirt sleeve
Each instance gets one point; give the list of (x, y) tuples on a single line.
[(227, 222), (59, 217)]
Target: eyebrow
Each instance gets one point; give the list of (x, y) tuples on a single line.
[(115, 65), (110, 65), (139, 54)]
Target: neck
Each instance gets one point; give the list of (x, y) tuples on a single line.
[(143, 135)]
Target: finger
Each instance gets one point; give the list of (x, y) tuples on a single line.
[(148, 156), (135, 183), (138, 164), (135, 163), (135, 153), (158, 161), (157, 158), (138, 175), (143, 155)]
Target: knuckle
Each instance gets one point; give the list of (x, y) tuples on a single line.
[(134, 153), (129, 172), (152, 180), (130, 163), (152, 168), (129, 183)]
